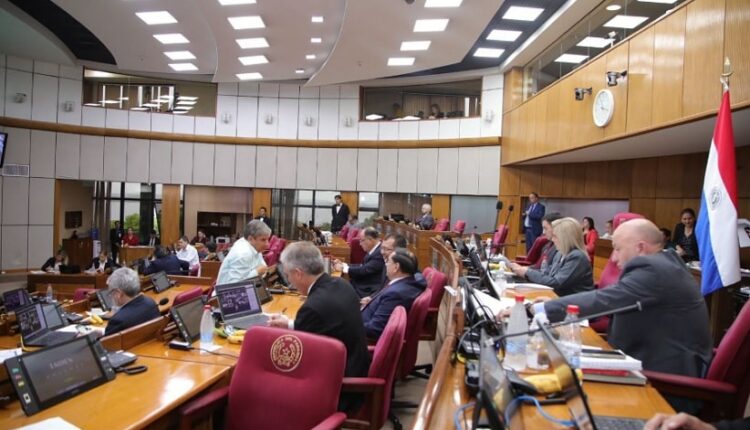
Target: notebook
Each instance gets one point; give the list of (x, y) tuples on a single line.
[(36, 331), (239, 304)]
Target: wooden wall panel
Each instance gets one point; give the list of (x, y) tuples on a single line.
[(513, 88), (743, 173), (530, 180), (737, 35), (510, 181), (540, 119), (351, 199), (261, 197), (584, 131), (667, 212), (643, 177), (552, 125), (617, 61), (704, 38), (640, 80), (695, 166), (669, 47), (552, 180), (670, 171), (601, 182), (575, 180), (441, 206), (565, 126), (170, 213), (511, 140), (645, 207)]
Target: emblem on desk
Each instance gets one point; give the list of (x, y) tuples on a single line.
[(286, 353), (715, 197)]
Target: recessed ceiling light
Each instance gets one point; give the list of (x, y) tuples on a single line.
[(401, 61), (310, 56), (187, 98), (183, 67), (182, 103), (140, 108), (594, 42), (571, 58), (151, 105), (245, 22), (614, 7), (249, 76), (626, 21), (520, 13), (253, 42), (504, 35), (253, 59), (316, 40), (156, 18), (423, 25), (110, 102), (317, 19), (92, 104), (659, 1), (373, 117), (235, 2), (299, 71), (442, 3), (180, 55), (489, 52), (171, 38), (416, 45)]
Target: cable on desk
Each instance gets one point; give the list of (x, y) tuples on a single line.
[(461, 410), (513, 405), (215, 353)]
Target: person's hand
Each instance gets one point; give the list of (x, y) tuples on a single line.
[(679, 421), (338, 266), (365, 300), (261, 269), (518, 269), (679, 250), (278, 320)]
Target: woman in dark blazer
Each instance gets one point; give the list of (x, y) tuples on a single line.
[(684, 236)]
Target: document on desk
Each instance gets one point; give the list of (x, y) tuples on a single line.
[(529, 285), (493, 304), (55, 423), (8, 353)]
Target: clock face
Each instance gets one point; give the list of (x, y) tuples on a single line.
[(604, 108)]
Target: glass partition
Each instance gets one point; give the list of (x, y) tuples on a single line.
[(433, 101)]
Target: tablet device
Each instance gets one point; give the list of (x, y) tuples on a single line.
[(187, 316)]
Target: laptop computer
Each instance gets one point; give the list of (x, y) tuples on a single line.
[(495, 390), (187, 317), (239, 304), (575, 396), (161, 282), (15, 299), (36, 331)]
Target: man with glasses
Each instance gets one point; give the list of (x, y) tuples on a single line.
[(366, 278), (124, 289)]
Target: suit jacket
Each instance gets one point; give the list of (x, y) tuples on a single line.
[(548, 255), (267, 220), (568, 275), (147, 241), (671, 333), (169, 264), (332, 309), (115, 236), (137, 311), (425, 222), (367, 278), (339, 219), (109, 264), (535, 218), (689, 244), (400, 293)]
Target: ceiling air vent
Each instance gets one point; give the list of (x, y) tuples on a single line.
[(16, 170)]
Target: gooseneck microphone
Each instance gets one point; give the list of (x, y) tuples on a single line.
[(510, 209)]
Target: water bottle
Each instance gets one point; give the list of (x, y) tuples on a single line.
[(472, 242), (50, 294), (536, 351), (515, 346), (327, 262), (207, 327), (570, 337)]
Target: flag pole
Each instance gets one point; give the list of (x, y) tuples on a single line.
[(727, 73)]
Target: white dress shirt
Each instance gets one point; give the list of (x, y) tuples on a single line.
[(240, 264), (189, 254)]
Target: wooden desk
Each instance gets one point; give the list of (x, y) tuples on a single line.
[(129, 254), (146, 400), (171, 293), (64, 285), (338, 249), (419, 240)]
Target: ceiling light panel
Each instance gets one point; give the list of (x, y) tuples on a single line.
[(253, 59), (401, 61), (156, 18), (316, 40), (246, 22), (235, 2), (253, 42), (415, 45), (183, 67), (253, 76), (443, 3), (626, 21), (614, 7), (310, 56), (659, 1), (425, 25), (180, 55), (504, 35), (595, 42), (299, 71), (520, 13), (571, 58), (489, 52), (316, 19), (171, 38)]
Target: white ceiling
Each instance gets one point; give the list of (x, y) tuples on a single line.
[(38, 40)]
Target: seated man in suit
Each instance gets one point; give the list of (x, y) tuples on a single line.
[(387, 246), (331, 309), (366, 278), (166, 262), (425, 221), (153, 239), (102, 263), (401, 290), (124, 288)]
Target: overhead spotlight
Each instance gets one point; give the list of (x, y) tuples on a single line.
[(580, 92), (612, 77)]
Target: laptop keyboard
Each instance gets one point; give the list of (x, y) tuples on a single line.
[(611, 423), (249, 321), (53, 338)]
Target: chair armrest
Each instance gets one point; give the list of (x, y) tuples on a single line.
[(687, 386), (202, 407), (373, 388), (332, 422)]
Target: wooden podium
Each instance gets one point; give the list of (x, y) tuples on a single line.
[(80, 251)]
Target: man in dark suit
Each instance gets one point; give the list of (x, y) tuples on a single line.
[(102, 263), (401, 290), (124, 288), (263, 216), (339, 214), (331, 309), (153, 240), (166, 262), (425, 220), (115, 239), (671, 333), (532, 220), (366, 278)]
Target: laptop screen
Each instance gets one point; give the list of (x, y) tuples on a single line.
[(31, 320), (52, 316), (105, 300), (14, 299), (495, 390), (188, 316), (238, 299), (160, 281)]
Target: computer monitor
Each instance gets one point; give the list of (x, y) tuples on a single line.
[(495, 391), (3, 145), (160, 281), (15, 299), (187, 316)]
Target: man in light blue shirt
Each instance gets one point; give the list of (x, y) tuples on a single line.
[(245, 259)]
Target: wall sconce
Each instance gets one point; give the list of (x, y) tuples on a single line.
[(309, 121), (226, 118), (580, 92), (67, 106), (613, 77), (489, 115), (348, 122), (19, 97), (269, 119)]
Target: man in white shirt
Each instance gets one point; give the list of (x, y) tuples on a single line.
[(245, 258), (187, 252)]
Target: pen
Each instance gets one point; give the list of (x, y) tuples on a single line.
[(283, 311)]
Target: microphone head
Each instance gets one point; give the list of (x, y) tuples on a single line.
[(510, 208), (163, 301), (499, 205)]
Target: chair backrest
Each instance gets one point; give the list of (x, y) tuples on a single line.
[(271, 258), (459, 227), (730, 364), (436, 281), (427, 272), (414, 323), (187, 295), (278, 368), (353, 233), (210, 269), (499, 238), (357, 253), (278, 246), (442, 225), (82, 293), (536, 250), (385, 359)]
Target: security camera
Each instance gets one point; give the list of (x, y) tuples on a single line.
[(612, 77), (581, 92)]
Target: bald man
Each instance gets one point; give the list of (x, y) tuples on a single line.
[(671, 333)]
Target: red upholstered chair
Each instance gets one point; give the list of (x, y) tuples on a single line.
[(725, 389), (278, 368), (82, 293), (357, 253), (534, 254), (436, 282), (414, 324), (344, 231), (611, 273), (442, 225), (353, 234), (499, 238), (459, 227), (187, 295), (379, 381)]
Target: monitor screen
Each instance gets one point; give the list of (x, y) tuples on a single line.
[(31, 320), (3, 144), (105, 300), (160, 281), (189, 315), (239, 298), (495, 389), (52, 316), (15, 299)]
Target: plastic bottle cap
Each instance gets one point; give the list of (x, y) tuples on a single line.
[(520, 299), (573, 309)]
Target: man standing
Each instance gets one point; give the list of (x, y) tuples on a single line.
[(366, 278), (124, 289), (425, 221), (245, 258), (331, 309), (153, 239), (187, 252), (532, 220), (263, 216), (339, 214), (115, 239)]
